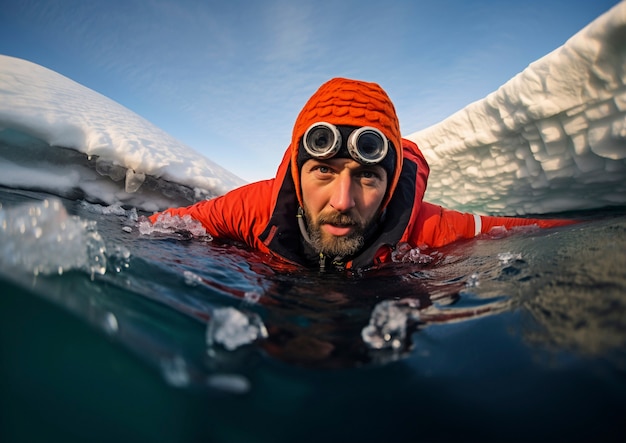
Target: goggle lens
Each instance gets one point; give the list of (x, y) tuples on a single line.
[(322, 140), (367, 145)]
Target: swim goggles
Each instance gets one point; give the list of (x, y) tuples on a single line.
[(366, 144)]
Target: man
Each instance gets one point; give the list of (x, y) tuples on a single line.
[(348, 190)]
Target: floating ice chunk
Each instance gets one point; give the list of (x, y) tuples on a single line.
[(232, 328), (110, 324), (388, 323), (168, 224), (405, 254), (175, 371), (132, 214), (252, 297), (114, 209), (43, 238), (232, 383), (506, 258), (191, 278), (473, 280)]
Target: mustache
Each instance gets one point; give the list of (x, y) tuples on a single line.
[(338, 219)]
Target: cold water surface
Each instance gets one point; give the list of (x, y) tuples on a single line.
[(177, 338)]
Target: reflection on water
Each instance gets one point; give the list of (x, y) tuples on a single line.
[(571, 282), (580, 304), (451, 344)]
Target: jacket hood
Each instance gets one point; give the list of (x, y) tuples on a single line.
[(342, 101)]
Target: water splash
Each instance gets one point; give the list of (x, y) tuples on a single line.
[(42, 238), (119, 259)]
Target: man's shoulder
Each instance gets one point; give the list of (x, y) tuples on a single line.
[(256, 188)]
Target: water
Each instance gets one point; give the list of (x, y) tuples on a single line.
[(174, 337)]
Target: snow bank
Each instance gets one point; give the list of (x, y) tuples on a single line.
[(551, 139), (41, 110)]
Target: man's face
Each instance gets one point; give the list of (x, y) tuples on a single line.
[(341, 199)]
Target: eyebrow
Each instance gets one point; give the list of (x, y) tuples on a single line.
[(331, 162)]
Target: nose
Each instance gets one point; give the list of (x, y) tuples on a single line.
[(342, 198)]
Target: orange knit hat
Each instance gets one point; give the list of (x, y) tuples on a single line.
[(342, 101)]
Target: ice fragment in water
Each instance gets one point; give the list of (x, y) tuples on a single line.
[(506, 258), (43, 238), (168, 224), (175, 371), (387, 326), (110, 323), (405, 254), (233, 383), (252, 297), (114, 209), (191, 278), (232, 328), (473, 280)]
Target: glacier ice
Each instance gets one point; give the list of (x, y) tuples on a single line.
[(550, 139), (134, 180), (61, 112)]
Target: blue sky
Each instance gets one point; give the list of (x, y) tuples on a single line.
[(229, 77)]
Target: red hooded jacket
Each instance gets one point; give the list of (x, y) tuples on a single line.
[(262, 215)]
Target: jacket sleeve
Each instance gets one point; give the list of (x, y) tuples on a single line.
[(436, 226), (237, 215)]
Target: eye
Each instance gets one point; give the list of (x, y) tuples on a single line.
[(321, 169), (369, 174)]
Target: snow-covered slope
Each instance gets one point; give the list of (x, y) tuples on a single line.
[(41, 110), (553, 138)]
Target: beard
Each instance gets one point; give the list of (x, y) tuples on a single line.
[(338, 246)]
